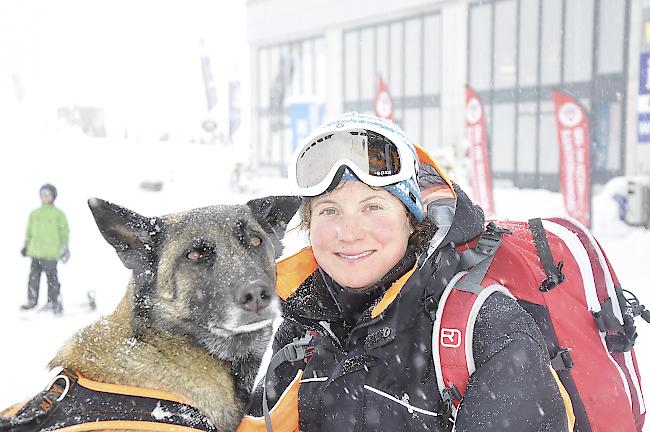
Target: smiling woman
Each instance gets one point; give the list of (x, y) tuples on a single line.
[(359, 304)]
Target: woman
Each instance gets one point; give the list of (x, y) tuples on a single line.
[(354, 351)]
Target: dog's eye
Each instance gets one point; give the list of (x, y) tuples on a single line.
[(193, 255), (255, 241)]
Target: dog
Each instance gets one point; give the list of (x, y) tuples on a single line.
[(184, 345)]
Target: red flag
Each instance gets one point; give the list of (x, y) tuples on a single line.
[(481, 176), (573, 139), (383, 102)]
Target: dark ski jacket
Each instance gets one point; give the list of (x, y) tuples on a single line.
[(378, 374)]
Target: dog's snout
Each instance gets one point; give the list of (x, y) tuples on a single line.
[(255, 297)]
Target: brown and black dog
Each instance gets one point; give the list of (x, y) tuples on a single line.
[(185, 344)]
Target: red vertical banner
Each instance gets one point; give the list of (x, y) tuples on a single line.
[(383, 101), (481, 175), (575, 173)]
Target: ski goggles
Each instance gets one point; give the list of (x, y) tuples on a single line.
[(372, 157)]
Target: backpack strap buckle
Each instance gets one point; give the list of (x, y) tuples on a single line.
[(485, 249), (562, 360), (554, 275), (489, 241), (449, 395), (555, 278)]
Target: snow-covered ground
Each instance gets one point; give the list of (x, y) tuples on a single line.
[(193, 175)]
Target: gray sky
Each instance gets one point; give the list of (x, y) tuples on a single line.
[(140, 60)]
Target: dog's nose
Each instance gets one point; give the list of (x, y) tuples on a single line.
[(255, 297)]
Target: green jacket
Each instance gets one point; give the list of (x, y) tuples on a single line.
[(47, 233)]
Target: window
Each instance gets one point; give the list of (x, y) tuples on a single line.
[(431, 129), (610, 36), (351, 50), (368, 80), (295, 72), (396, 59), (480, 50), (549, 158), (320, 74), (526, 138), (413, 57), (295, 68), (505, 68), (528, 40), (431, 55), (551, 41), (519, 51), (264, 136), (607, 129), (307, 67), (264, 78), (383, 55), (614, 141), (578, 40), (406, 54), (412, 124), (503, 139)]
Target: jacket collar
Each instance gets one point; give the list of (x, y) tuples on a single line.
[(304, 294)]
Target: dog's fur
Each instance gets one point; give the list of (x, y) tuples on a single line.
[(186, 323)]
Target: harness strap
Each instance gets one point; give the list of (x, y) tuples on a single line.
[(299, 349), (34, 414), (554, 275), (68, 403)]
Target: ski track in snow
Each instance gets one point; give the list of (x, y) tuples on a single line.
[(193, 176)]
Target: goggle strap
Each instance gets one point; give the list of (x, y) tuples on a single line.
[(337, 178)]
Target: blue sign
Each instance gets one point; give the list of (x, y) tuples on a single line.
[(644, 74), (305, 117), (643, 128)]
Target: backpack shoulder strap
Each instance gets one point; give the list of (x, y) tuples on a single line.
[(452, 339)]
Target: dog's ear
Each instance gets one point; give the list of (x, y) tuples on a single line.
[(131, 234), (273, 213)]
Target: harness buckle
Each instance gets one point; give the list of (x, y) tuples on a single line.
[(299, 349), (294, 352), (55, 390)]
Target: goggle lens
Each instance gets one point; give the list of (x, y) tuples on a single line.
[(370, 152)]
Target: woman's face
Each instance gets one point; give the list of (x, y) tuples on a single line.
[(358, 233)]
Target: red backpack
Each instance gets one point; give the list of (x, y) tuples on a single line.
[(586, 318)]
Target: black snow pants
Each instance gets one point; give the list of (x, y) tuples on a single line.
[(53, 286)]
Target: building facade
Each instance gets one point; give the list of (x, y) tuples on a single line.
[(514, 53)]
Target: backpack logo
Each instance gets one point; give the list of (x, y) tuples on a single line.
[(450, 338)]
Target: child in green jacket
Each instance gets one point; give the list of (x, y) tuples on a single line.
[(46, 242)]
